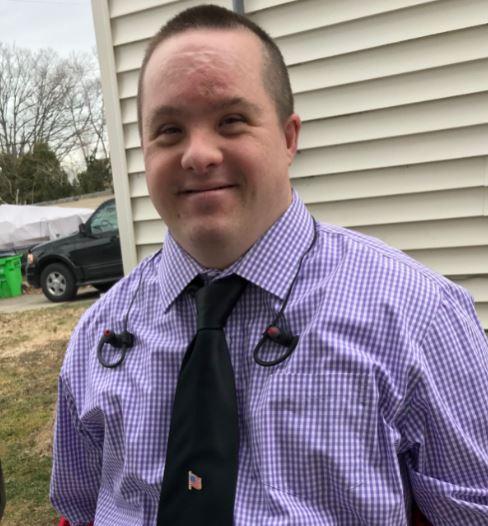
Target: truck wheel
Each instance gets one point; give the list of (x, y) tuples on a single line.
[(58, 282)]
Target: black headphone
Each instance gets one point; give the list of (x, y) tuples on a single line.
[(274, 332), (123, 340)]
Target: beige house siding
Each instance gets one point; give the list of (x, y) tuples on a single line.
[(394, 100)]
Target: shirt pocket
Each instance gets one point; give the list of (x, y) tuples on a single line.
[(312, 433)]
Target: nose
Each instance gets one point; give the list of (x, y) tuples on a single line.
[(202, 152)]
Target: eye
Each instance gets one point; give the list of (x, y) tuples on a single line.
[(168, 129), (167, 133), (231, 120)]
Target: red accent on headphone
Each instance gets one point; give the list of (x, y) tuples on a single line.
[(272, 331)]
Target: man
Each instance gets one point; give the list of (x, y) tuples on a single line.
[(380, 402)]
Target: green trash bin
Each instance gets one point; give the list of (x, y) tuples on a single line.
[(10, 277), (4, 288)]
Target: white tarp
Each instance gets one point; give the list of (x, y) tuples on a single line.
[(22, 226)]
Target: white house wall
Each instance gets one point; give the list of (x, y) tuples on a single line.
[(394, 100)]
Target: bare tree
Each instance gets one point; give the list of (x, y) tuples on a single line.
[(15, 99), (86, 107), (45, 98), (51, 112)]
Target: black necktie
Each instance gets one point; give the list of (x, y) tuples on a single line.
[(201, 460)]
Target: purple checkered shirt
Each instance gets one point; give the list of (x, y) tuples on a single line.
[(384, 399)]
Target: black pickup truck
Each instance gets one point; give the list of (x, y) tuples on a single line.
[(90, 257)]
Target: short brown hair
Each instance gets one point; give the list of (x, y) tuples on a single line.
[(275, 75)]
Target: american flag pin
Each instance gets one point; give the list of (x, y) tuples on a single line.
[(194, 481)]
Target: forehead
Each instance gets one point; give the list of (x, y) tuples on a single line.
[(205, 61)]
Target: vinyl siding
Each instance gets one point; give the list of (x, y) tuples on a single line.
[(394, 100)]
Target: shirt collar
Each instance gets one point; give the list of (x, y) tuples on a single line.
[(177, 269), (271, 263)]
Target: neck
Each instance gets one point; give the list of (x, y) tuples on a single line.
[(217, 255), (219, 251)]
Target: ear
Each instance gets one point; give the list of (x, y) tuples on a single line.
[(292, 131)]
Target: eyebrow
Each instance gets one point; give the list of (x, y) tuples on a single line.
[(177, 111)]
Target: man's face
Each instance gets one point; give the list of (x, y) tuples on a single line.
[(215, 153)]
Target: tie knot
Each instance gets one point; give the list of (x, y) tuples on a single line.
[(216, 300)]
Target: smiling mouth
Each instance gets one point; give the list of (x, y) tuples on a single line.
[(207, 190)]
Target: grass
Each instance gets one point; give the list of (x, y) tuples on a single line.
[(33, 346)]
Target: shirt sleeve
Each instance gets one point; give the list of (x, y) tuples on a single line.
[(447, 422), (76, 469)]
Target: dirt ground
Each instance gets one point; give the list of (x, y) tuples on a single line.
[(27, 331), (32, 350), (34, 299)]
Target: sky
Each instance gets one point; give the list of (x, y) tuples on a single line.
[(64, 25)]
